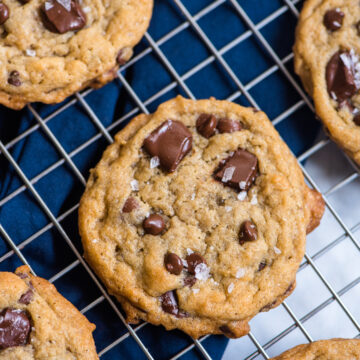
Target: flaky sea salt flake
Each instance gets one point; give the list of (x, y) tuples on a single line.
[(240, 273), (154, 162), (230, 288), (134, 185), (228, 174), (242, 195), (202, 272), (277, 250)]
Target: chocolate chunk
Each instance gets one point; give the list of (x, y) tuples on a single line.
[(14, 78), (248, 232), (190, 281), (262, 265), (340, 76), (4, 13), (171, 141), (119, 59), (173, 263), (238, 171), (333, 19), (206, 125), (14, 328), (226, 125), (193, 260), (169, 303), (154, 224), (26, 297), (63, 15), (357, 119), (130, 205)]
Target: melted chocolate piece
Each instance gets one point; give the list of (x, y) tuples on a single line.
[(248, 232), (357, 119), (14, 78), (22, 275), (171, 141), (63, 16), (340, 76), (190, 281), (262, 265), (226, 125), (169, 303), (14, 328), (130, 205), (268, 306), (206, 125), (119, 59), (154, 224), (193, 260), (27, 297), (4, 13), (173, 263), (333, 19), (226, 330), (241, 167)]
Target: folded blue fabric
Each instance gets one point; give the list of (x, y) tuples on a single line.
[(21, 215)]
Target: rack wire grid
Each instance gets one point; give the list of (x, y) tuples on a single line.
[(235, 50)]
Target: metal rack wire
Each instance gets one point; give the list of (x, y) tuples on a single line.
[(216, 55)]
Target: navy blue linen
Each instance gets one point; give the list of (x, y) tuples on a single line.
[(61, 190)]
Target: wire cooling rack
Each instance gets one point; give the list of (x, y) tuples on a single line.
[(238, 50)]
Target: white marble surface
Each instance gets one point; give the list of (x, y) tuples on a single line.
[(340, 266)]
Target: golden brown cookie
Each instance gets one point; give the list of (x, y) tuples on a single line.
[(195, 218), (334, 349), (50, 49), (327, 50), (37, 323)]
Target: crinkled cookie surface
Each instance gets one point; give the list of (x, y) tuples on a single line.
[(327, 58), (195, 218), (37, 323), (51, 48), (334, 349)]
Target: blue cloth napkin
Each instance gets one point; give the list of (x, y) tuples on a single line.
[(21, 215)]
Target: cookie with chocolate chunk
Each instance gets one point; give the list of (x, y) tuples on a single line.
[(327, 59), (36, 322), (50, 49), (196, 217), (334, 349)]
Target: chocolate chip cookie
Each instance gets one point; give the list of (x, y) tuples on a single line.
[(37, 323), (327, 51), (50, 49), (335, 349), (195, 218)]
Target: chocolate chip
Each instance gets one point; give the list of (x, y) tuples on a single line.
[(226, 125), (14, 78), (262, 265), (4, 13), (119, 58), (14, 328), (268, 306), (190, 281), (340, 76), (169, 303), (63, 15), (238, 171), (357, 119), (206, 125), (193, 260), (22, 275), (173, 263), (248, 232), (26, 297), (130, 205), (333, 19), (154, 224), (171, 141), (225, 329)]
